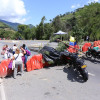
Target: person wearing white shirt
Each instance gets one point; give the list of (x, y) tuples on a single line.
[(14, 48), (18, 62)]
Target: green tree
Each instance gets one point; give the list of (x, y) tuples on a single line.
[(25, 31), (89, 19), (48, 31), (77, 33), (57, 24), (40, 29), (33, 33)]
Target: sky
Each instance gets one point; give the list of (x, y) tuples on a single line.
[(31, 11)]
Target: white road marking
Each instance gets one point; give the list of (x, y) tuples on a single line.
[(91, 74), (3, 97)]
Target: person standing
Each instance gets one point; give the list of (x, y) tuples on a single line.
[(24, 58), (25, 47), (3, 50), (18, 62), (87, 38), (7, 54), (14, 48)]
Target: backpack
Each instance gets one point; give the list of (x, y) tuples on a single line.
[(10, 50), (28, 52)]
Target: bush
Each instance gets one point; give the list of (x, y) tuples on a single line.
[(54, 38), (61, 46)]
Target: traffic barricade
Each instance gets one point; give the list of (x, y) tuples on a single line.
[(85, 47), (36, 62), (4, 68)]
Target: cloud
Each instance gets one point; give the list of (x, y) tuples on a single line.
[(93, 1), (78, 5), (12, 10), (75, 6)]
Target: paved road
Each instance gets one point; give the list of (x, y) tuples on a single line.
[(54, 83)]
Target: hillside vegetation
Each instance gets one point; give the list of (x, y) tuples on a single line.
[(80, 23), (6, 31), (14, 26)]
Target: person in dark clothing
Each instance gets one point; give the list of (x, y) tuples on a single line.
[(24, 46), (25, 55)]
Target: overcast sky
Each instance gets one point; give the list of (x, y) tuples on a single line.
[(31, 11)]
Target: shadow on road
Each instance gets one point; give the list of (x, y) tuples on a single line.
[(95, 61), (7, 77), (72, 75)]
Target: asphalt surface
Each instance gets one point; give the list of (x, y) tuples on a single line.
[(53, 83)]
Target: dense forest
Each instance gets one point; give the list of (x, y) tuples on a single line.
[(80, 23)]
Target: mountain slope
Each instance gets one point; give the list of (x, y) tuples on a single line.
[(4, 26), (6, 31), (12, 25)]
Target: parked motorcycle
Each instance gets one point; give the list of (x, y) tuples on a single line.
[(65, 57), (73, 60), (92, 53)]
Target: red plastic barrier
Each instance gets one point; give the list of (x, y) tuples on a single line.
[(32, 63), (4, 68), (70, 50), (28, 65), (99, 46), (73, 49), (35, 62), (85, 47), (95, 43), (99, 42), (1, 71), (77, 47)]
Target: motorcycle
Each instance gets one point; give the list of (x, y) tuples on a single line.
[(92, 53), (65, 57), (73, 60)]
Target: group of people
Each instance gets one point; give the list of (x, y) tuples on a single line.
[(18, 56)]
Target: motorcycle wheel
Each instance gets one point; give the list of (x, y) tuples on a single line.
[(88, 55), (84, 74)]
